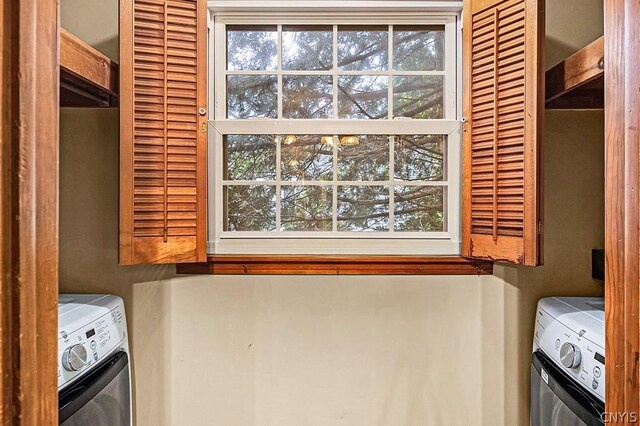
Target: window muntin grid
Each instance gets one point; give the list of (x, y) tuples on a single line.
[(343, 81), (383, 163), (331, 125)]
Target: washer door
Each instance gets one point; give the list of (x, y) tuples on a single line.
[(556, 400), (101, 398)]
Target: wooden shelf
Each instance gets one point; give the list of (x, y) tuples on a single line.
[(578, 81), (87, 77), (336, 265)]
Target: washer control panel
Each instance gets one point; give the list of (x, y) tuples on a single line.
[(572, 350), (85, 345)]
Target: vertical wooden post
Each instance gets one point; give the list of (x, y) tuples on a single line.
[(622, 215), (29, 81)]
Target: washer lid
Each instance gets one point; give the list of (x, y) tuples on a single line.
[(70, 302), (583, 315)]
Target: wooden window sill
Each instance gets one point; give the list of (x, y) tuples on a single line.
[(336, 265)]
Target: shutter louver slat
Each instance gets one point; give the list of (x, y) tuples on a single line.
[(163, 139), (504, 106)]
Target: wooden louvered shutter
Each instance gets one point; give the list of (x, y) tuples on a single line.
[(504, 106), (163, 131)]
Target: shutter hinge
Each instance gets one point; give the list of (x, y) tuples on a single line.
[(540, 227)]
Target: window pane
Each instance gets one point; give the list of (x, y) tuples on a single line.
[(419, 208), (418, 97), (307, 96), (306, 208), (363, 208), (251, 96), (250, 208), (363, 158), (307, 157), (420, 157), (362, 97), (252, 48), (418, 49), (363, 48), (250, 157), (287, 183), (307, 48)]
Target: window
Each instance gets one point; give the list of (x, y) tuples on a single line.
[(334, 133), (179, 198)]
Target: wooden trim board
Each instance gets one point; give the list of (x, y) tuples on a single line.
[(336, 265), (29, 78), (622, 208)]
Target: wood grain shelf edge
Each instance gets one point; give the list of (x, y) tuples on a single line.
[(336, 265), (578, 81), (88, 78)]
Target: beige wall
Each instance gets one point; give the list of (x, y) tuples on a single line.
[(331, 350)]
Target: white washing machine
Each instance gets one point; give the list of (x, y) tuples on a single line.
[(567, 367), (94, 370)]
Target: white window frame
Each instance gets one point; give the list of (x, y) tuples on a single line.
[(280, 13)]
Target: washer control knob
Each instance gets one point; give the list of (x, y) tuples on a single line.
[(74, 358), (570, 355)]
